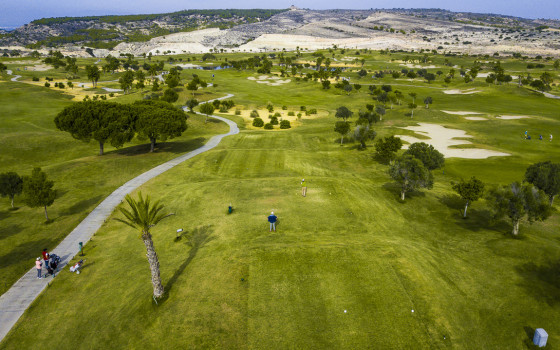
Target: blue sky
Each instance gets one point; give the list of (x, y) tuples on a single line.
[(14, 13)]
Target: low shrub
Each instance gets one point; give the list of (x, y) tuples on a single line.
[(285, 124), (258, 122), (254, 114), (268, 126), (291, 113)]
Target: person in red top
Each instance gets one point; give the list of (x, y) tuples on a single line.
[(46, 257)]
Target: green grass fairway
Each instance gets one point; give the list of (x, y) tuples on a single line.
[(30, 139), (351, 244)]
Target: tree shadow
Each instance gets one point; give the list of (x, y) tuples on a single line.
[(542, 281), (395, 190), (477, 219), (170, 147), (80, 206), (27, 251), (9, 230), (196, 239)]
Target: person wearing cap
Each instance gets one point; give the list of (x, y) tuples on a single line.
[(272, 220), (303, 187), (39, 267)]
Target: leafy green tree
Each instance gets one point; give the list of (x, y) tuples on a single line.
[(11, 184), (155, 86), (469, 191), (430, 77), (413, 95), (38, 191), (192, 86), (380, 110), (191, 103), (172, 81), (387, 147), (546, 177), (159, 120), (347, 88), (428, 155), (326, 84), (102, 121), (517, 202), (556, 64), (258, 122), (170, 95), (412, 107), (343, 113), (342, 127), (207, 109), (411, 174), (362, 134), (126, 80), (368, 118), (142, 216), (140, 79), (428, 101), (93, 74)]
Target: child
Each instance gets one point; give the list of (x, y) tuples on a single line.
[(76, 267), (39, 267)]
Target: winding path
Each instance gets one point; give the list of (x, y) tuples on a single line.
[(19, 297)]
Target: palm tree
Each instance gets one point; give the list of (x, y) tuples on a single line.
[(143, 216)]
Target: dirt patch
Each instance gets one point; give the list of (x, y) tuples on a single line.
[(38, 68), (443, 138), (475, 118), (264, 114)]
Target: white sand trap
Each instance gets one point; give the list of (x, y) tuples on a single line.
[(270, 81), (507, 117), (475, 118), (442, 138), (460, 112), (252, 78), (459, 92), (409, 65)]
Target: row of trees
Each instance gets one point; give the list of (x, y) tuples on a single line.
[(118, 123), (37, 190)]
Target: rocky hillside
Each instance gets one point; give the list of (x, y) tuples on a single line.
[(255, 30), (108, 31)]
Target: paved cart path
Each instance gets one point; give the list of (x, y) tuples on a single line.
[(18, 298)]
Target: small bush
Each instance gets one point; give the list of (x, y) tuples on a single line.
[(254, 114), (268, 126), (35, 79), (284, 108), (237, 112), (277, 115), (270, 108), (47, 84), (223, 109), (61, 85), (299, 115), (285, 124), (111, 95), (258, 122), (291, 114), (302, 108), (312, 111), (274, 120)]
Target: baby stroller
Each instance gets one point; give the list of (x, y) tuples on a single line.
[(76, 267), (53, 264)]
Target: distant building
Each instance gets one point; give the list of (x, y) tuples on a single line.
[(294, 7)]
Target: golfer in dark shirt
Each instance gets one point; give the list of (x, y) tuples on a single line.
[(272, 220)]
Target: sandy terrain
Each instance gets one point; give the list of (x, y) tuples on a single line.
[(460, 92), (271, 81), (475, 118), (508, 117), (442, 138), (460, 112), (264, 113), (39, 68)]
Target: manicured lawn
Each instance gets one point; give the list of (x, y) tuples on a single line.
[(349, 245)]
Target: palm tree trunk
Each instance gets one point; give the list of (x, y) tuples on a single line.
[(154, 264)]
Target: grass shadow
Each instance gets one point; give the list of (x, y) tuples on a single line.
[(171, 147), (196, 239), (9, 230), (542, 281), (80, 206)]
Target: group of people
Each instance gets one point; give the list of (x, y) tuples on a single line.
[(50, 261), (528, 137), (272, 219)]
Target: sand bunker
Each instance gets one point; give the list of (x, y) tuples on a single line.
[(460, 112), (507, 117), (409, 65), (270, 81), (459, 92), (442, 138), (475, 118)]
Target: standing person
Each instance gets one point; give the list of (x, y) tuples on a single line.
[(39, 267), (46, 257), (550, 137), (272, 220), (303, 187), (525, 133)]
